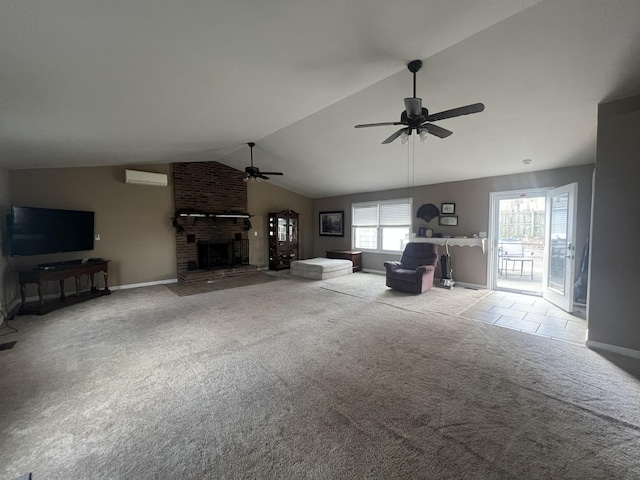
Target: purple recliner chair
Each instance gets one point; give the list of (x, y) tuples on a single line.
[(414, 272)]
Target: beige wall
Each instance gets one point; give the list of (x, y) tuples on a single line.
[(264, 198), (133, 220), (615, 257), (472, 207)]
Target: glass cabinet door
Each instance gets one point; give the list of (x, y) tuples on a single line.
[(293, 230), (282, 229)]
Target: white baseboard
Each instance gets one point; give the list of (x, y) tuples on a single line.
[(627, 352), (377, 272), (474, 286), (50, 296), (144, 284)]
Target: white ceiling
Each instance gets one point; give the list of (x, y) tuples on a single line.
[(107, 82)]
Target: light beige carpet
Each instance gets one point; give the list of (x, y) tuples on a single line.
[(293, 380)]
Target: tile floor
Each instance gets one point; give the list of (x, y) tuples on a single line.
[(530, 314)]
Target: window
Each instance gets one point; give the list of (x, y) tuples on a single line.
[(381, 226)]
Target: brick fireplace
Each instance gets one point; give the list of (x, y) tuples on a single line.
[(210, 247)]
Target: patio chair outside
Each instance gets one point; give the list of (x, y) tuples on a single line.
[(512, 250)]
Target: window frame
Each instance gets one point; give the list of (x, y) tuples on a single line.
[(379, 228)]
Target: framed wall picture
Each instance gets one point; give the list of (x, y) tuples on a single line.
[(450, 221), (422, 231), (448, 208), (332, 224)]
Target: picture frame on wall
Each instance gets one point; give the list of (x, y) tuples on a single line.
[(448, 208), (450, 221), (332, 223)]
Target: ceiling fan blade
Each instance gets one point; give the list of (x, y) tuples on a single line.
[(272, 173), (456, 112), (436, 130), (396, 135), (385, 124), (260, 175)]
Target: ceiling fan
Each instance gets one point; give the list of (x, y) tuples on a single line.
[(254, 173), (416, 117)]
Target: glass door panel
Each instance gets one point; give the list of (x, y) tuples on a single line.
[(517, 246), (560, 255)]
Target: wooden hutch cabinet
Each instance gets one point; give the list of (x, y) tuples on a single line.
[(283, 239)]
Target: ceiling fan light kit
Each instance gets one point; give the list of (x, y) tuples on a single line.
[(416, 117)]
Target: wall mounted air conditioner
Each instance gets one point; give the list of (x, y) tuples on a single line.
[(145, 178)]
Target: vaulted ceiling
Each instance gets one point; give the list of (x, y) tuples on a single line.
[(94, 82)]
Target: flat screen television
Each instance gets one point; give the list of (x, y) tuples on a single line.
[(35, 231)]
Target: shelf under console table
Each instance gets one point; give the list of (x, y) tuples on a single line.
[(41, 275)]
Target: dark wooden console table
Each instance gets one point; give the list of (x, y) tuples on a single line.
[(41, 275), (353, 255)]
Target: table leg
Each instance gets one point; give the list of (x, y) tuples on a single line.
[(531, 263), (93, 289), (23, 294), (106, 282), (40, 294), (77, 279), (62, 295)]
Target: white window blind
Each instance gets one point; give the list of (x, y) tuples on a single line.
[(383, 226), (395, 214), (365, 215)]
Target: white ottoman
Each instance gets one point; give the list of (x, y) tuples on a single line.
[(321, 268)]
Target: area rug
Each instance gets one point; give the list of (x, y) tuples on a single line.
[(245, 280), (439, 300)]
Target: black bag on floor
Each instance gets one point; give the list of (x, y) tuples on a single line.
[(445, 266)]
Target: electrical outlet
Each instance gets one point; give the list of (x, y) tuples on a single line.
[(255, 233), (96, 236)]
